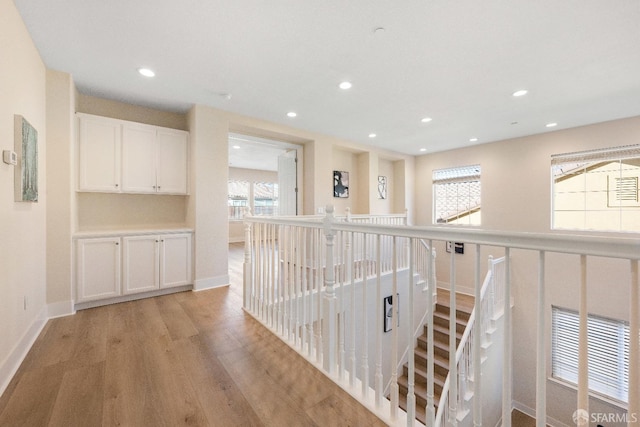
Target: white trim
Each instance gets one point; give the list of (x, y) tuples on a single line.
[(236, 239), (211, 283), (132, 297), (60, 309), (532, 413), (12, 362)]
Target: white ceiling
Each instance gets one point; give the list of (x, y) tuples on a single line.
[(457, 62), (249, 152)]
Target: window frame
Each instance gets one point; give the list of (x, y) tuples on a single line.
[(623, 360), (456, 176), (579, 202)]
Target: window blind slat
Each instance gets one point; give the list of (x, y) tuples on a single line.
[(608, 346)]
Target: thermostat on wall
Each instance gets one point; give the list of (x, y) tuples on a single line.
[(9, 157)]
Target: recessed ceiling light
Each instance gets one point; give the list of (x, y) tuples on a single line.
[(146, 72), (521, 92), (423, 149), (291, 114), (426, 119), (551, 125), (345, 85), (473, 139), (237, 147), (372, 135)]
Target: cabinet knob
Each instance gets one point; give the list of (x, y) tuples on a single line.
[(117, 243), (116, 185), (158, 187)]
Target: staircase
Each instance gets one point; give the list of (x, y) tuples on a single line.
[(464, 304)]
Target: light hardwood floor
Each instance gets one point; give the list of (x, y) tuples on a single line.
[(192, 358)]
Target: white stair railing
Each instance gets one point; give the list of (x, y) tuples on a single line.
[(312, 280), (491, 310)]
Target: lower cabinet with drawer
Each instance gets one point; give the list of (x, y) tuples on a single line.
[(109, 267)]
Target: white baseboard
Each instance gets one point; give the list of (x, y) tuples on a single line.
[(236, 239), (532, 413), (60, 309), (10, 365), (459, 288), (211, 283)]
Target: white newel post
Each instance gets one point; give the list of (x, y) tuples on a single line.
[(247, 262), (330, 301), (508, 341), (477, 340)]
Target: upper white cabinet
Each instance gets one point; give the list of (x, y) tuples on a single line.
[(121, 156), (100, 142), (154, 160)]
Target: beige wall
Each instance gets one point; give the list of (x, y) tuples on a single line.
[(22, 225), (516, 194), (61, 214)]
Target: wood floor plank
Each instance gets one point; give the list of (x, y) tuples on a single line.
[(219, 396), (175, 319), (32, 401), (269, 399), (79, 400)]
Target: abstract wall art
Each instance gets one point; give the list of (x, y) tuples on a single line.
[(26, 171)]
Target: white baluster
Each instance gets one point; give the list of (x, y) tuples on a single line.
[(247, 271), (352, 318), (583, 345), (365, 324), (634, 347), (477, 341), (329, 313), (453, 367), (506, 369), (394, 331), (411, 396), (432, 286), (541, 359), (378, 373)]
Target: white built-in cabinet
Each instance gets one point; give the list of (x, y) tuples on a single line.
[(100, 143), (156, 262), (126, 157), (98, 268), (149, 262)]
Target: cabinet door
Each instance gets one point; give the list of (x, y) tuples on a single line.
[(140, 264), (99, 145), (172, 155), (98, 264), (175, 260), (138, 158)]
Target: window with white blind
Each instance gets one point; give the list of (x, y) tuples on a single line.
[(608, 352), (456, 195), (597, 190)]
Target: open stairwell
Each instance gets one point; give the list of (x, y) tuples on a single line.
[(441, 318)]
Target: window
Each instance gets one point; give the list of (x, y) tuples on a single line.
[(238, 199), (608, 352), (456, 195), (260, 197), (597, 190), (265, 198)]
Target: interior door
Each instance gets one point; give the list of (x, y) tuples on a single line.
[(287, 183)]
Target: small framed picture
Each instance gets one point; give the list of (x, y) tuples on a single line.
[(341, 184), (382, 187)]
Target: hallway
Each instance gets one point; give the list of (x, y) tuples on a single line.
[(192, 358)]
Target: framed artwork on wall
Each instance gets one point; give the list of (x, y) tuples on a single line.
[(26, 171), (340, 184), (382, 187)]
